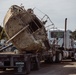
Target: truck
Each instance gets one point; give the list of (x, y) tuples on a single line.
[(62, 38), (33, 42), (28, 34)]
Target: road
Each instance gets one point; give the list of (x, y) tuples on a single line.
[(64, 68)]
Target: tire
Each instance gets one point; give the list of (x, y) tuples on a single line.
[(54, 58), (47, 60), (3, 69), (36, 65), (74, 57), (51, 59), (58, 57), (27, 66)]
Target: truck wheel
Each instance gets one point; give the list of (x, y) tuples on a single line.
[(47, 60), (74, 57), (51, 59), (58, 57), (3, 69), (54, 58), (36, 63), (27, 66)]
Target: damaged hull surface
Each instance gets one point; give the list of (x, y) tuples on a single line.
[(25, 29)]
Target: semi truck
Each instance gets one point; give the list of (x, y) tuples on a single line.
[(64, 40), (28, 34), (33, 42), (68, 47)]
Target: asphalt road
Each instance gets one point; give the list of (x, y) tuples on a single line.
[(63, 68)]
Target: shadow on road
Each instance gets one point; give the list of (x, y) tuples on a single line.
[(63, 68)]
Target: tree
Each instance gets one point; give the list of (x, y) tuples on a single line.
[(0, 29), (74, 34), (2, 33)]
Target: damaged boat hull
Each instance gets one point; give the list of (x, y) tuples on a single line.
[(32, 36)]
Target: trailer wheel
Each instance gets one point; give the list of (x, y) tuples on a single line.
[(73, 59), (3, 69), (27, 66), (58, 57), (48, 59), (36, 63), (51, 59), (54, 58)]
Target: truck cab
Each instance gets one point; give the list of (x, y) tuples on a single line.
[(58, 37)]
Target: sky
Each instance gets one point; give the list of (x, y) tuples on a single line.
[(57, 10)]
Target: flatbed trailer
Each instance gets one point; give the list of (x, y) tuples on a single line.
[(16, 61), (24, 63)]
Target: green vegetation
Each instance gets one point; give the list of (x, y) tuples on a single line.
[(2, 33), (74, 34)]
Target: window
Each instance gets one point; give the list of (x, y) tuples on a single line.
[(34, 25), (55, 34)]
